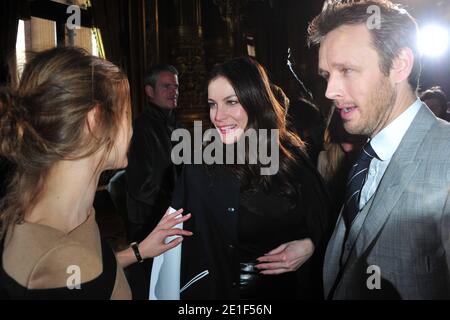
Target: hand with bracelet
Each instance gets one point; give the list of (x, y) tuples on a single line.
[(154, 244)]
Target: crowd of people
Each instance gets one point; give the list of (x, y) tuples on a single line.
[(366, 190)]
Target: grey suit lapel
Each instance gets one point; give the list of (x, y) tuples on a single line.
[(391, 189)]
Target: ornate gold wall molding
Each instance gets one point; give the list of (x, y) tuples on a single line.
[(187, 54)]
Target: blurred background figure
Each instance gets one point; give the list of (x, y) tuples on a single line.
[(150, 175), (436, 99), (305, 119), (341, 150)]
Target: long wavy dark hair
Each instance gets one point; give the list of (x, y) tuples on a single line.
[(253, 89)]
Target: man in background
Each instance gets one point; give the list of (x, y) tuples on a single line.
[(150, 173), (436, 99)]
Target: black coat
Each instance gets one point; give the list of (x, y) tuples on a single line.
[(230, 229), (150, 173)]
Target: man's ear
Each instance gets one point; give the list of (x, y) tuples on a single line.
[(402, 65), (92, 119), (149, 91)]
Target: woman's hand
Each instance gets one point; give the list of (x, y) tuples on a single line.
[(153, 245), (286, 258)]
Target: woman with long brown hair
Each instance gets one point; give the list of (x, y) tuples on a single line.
[(68, 120), (257, 234)]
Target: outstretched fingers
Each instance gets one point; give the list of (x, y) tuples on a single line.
[(176, 232), (173, 219), (167, 216)]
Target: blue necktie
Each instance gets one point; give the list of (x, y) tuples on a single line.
[(355, 183)]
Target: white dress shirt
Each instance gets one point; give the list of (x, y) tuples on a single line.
[(385, 143)]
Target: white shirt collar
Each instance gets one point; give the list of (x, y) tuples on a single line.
[(386, 142)]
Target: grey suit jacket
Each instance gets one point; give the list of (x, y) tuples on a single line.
[(404, 230)]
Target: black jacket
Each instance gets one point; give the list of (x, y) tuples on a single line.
[(150, 173), (229, 230)]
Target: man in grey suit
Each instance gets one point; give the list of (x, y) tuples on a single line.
[(392, 239)]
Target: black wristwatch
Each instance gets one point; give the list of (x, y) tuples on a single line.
[(135, 248)]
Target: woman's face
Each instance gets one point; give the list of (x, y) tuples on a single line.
[(225, 110), (118, 156), (347, 147), (352, 143)]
